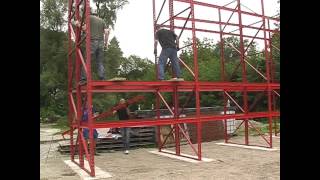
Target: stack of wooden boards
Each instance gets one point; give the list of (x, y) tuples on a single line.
[(143, 137)]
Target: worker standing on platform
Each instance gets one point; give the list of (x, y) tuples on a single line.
[(99, 40), (124, 114), (170, 45)]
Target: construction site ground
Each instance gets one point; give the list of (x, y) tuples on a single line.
[(228, 162)]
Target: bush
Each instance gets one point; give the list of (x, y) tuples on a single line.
[(62, 123), (48, 115)]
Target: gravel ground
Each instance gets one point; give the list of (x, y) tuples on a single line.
[(229, 163)]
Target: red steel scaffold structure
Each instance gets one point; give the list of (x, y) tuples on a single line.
[(79, 96)]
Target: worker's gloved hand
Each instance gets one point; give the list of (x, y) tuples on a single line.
[(178, 49)]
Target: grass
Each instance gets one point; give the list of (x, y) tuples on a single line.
[(150, 146), (264, 129), (61, 124)]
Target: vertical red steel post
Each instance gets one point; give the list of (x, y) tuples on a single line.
[(171, 18), (222, 73), (196, 72), (272, 71), (268, 74), (223, 76), (175, 93), (91, 121), (89, 86), (171, 14), (226, 136), (244, 74), (176, 117), (78, 88), (156, 66), (158, 117), (70, 64), (154, 36)]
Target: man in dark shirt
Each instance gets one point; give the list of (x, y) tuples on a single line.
[(170, 45), (124, 114), (99, 39)]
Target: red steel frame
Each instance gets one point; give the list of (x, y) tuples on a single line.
[(78, 61)]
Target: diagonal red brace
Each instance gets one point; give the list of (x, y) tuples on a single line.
[(119, 106), (110, 112)]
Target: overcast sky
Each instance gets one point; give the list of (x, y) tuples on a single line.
[(134, 26)]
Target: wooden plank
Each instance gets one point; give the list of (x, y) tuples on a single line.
[(112, 147)]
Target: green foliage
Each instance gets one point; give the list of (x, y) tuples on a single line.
[(113, 57), (53, 57), (52, 14), (107, 10), (209, 63), (276, 54), (135, 68), (62, 124), (53, 65), (102, 101), (53, 73)]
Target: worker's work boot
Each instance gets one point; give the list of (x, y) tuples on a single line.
[(176, 79), (117, 79)]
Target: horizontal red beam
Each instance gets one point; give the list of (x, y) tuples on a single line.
[(228, 9), (182, 86), (223, 23), (183, 83), (217, 32), (170, 121), (169, 89), (119, 106)]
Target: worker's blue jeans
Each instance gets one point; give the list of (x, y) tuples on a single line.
[(165, 54), (125, 133), (97, 54), (86, 133)]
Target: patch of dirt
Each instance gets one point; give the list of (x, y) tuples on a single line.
[(231, 163)]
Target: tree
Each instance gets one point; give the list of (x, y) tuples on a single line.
[(209, 64), (107, 10), (52, 14), (275, 40), (54, 57), (113, 57), (136, 68), (53, 73)]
